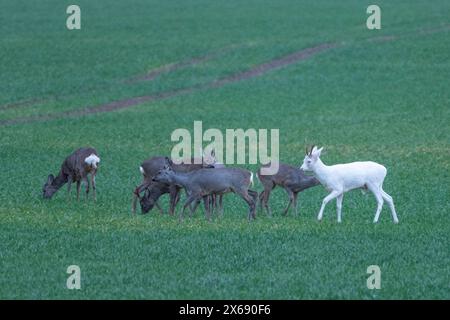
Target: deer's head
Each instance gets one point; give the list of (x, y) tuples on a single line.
[(147, 202), (164, 175), (311, 158), (49, 188)]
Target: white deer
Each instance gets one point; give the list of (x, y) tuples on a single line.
[(340, 178)]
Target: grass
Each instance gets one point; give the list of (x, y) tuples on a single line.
[(383, 101)]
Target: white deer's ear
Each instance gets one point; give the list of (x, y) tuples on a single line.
[(318, 152)]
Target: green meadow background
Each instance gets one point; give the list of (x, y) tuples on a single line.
[(380, 95)]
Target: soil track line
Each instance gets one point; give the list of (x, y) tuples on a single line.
[(21, 104), (253, 72), (151, 75)]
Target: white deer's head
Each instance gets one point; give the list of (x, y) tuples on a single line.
[(311, 159)]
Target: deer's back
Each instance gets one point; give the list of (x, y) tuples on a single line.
[(225, 177), (74, 164), (153, 165)]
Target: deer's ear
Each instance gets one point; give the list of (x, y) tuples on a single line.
[(169, 161), (319, 152), (50, 178)]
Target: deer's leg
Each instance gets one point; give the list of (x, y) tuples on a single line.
[(251, 203), (390, 202), (187, 203), (291, 199), (86, 181), (328, 198), (159, 207), (212, 202), (267, 191), (78, 190), (194, 208), (174, 198), (137, 193), (69, 186), (208, 209), (93, 186), (221, 205), (339, 207), (376, 190), (261, 198), (254, 196), (296, 203)]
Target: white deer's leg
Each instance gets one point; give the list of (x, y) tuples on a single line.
[(390, 201), (339, 207), (380, 201), (327, 199)]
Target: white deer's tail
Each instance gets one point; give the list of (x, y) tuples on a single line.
[(142, 170), (92, 160)]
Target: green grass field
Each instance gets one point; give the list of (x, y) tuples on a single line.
[(380, 95)]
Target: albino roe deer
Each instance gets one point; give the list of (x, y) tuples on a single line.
[(341, 178)]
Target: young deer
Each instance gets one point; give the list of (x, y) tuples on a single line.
[(291, 179), (75, 168), (149, 168), (341, 178), (204, 182)]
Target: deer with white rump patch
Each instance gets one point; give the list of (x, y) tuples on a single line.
[(75, 168), (341, 178)]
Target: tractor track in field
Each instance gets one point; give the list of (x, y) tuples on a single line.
[(253, 72), (179, 65)]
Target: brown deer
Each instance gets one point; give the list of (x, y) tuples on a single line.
[(291, 179), (149, 168), (75, 168), (200, 184)]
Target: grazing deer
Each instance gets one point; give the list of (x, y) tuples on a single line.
[(204, 182), (75, 168), (341, 178), (291, 179), (153, 191)]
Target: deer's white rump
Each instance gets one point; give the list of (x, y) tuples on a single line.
[(340, 178)]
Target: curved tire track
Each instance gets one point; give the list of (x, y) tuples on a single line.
[(253, 72)]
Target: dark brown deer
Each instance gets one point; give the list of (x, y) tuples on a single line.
[(75, 168), (291, 179), (200, 184), (149, 168)]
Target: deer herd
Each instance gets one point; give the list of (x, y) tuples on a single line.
[(206, 180)]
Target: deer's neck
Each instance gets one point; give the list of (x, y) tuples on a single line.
[(321, 171), (180, 178), (60, 180)]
